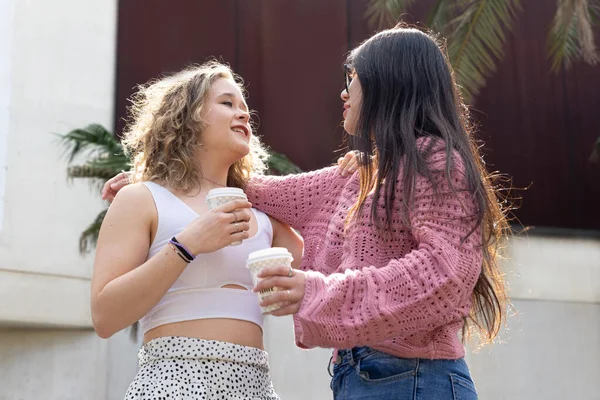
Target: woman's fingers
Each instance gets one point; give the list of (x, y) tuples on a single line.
[(113, 185), (239, 236), (279, 270), (239, 227), (348, 164), (230, 206), (286, 310), (243, 215), (282, 282), (290, 290), (120, 183), (281, 295)]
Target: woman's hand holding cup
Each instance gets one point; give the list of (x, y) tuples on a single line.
[(221, 226)]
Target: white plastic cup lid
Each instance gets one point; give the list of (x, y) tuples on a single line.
[(265, 254), (227, 191)]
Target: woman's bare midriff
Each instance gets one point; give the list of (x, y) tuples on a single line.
[(235, 331)]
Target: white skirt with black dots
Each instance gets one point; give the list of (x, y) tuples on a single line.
[(181, 368)]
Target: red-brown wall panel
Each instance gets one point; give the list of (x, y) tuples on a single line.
[(538, 127)]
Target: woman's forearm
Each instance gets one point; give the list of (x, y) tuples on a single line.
[(291, 198), (126, 299)]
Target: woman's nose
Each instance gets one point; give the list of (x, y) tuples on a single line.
[(244, 115), (344, 95)]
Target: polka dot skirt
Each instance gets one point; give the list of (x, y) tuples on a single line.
[(181, 368)]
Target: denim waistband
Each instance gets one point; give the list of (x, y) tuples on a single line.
[(351, 356)]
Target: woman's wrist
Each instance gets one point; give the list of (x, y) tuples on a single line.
[(188, 243), (179, 252), (186, 252)]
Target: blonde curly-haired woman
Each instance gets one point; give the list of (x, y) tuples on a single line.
[(163, 258)]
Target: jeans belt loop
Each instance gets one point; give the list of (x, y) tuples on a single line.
[(337, 359)]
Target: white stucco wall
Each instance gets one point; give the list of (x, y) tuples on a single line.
[(57, 69), (6, 39), (61, 63), (551, 352), (72, 364)]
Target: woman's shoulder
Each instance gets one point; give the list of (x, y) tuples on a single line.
[(438, 156), (136, 196), (132, 208)]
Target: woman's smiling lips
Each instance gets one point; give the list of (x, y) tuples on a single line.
[(242, 130)]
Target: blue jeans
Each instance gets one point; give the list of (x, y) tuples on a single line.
[(365, 373)]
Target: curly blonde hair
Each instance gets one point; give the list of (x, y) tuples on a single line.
[(165, 126)]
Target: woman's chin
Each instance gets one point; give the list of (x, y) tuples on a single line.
[(242, 152), (349, 128)]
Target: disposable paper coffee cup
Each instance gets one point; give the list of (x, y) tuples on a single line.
[(257, 260), (220, 196)]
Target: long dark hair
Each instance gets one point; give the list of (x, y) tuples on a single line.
[(409, 92)]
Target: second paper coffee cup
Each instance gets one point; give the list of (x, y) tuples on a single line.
[(257, 260)]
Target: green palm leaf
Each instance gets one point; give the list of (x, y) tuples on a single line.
[(475, 29), (114, 162), (571, 36), (281, 164), (440, 16), (94, 138), (91, 172), (478, 39), (385, 13), (106, 153), (89, 237), (476, 32)]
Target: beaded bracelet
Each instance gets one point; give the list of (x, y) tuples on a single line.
[(188, 254), (176, 250)]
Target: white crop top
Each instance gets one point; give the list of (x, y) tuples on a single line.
[(198, 292)]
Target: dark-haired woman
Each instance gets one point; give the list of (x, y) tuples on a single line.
[(400, 257)]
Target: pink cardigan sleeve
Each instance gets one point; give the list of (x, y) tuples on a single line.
[(425, 289), (291, 198)]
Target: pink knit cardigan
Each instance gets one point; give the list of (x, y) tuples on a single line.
[(405, 294)]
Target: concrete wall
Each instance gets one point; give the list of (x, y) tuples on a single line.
[(6, 39), (57, 63), (64, 364), (61, 62), (552, 351)]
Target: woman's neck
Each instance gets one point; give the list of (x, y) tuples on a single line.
[(216, 184), (213, 172)]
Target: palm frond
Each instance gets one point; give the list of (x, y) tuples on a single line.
[(385, 13), (478, 38), (91, 172), (93, 138), (114, 162), (594, 7), (89, 237), (281, 164), (571, 35), (440, 16)]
